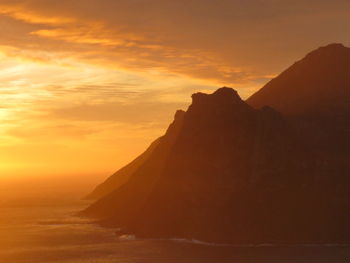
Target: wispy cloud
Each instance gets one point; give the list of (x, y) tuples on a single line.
[(119, 43), (227, 42), (103, 77)]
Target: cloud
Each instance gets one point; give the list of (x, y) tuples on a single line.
[(128, 37), (106, 74), (53, 132), (136, 113), (227, 42)]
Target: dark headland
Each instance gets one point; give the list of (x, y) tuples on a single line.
[(272, 169)]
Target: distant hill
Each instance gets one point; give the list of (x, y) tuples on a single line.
[(274, 169)]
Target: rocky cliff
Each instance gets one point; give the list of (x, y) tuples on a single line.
[(273, 169)]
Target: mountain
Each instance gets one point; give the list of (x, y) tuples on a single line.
[(314, 94), (214, 176), (319, 83), (121, 176), (230, 171)]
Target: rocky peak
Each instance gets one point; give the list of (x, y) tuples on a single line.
[(333, 46), (227, 173), (314, 85), (179, 115), (222, 100), (333, 51), (221, 96)]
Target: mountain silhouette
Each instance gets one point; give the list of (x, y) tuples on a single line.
[(314, 95), (121, 176), (319, 83), (260, 171)]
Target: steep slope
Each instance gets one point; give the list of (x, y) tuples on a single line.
[(316, 88), (230, 171), (314, 94), (319, 83), (142, 181), (121, 176), (231, 174)]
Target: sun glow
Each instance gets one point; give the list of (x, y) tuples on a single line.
[(57, 114), (79, 82)]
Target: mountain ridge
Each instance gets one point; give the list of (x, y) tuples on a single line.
[(234, 171), (310, 85)]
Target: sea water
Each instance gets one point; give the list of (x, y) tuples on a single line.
[(45, 229)]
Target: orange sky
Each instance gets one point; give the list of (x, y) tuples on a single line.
[(86, 85)]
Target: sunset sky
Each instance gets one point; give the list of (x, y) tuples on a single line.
[(86, 85)]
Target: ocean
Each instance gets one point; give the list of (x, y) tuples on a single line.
[(45, 229)]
